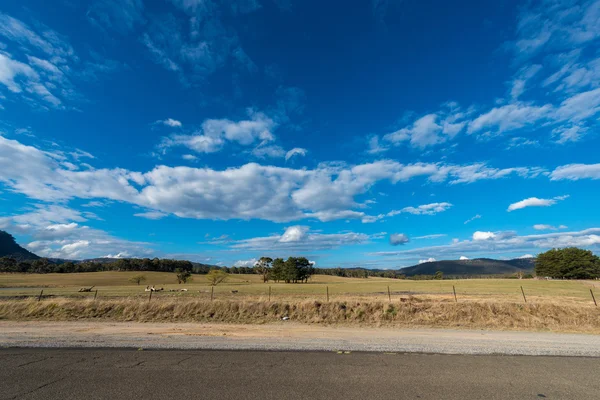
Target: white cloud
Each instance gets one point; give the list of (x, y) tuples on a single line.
[(151, 215), (425, 209), (472, 219), (250, 191), (525, 256), (189, 157), (294, 234), (545, 227), (509, 117), (535, 202), (173, 123), (575, 172), (297, 151), (245, 263), (58, 232), (272, 151), (462, 258), (504, 242), (301, 239), (435, 236), (426, 131), (569, 134), (430, 259), (374, 145), (215, 133), (398, 238), (483, 235)]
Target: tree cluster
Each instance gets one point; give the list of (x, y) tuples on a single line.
[(568, 263), (292, 270)]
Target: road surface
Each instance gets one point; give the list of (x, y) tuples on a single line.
[(293, 336), (63, 374)]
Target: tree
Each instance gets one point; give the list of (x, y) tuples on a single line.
[(439, 275), (183, 275), (138, 279), (263, 267), (277, 268), (568, 263), (216, 276)]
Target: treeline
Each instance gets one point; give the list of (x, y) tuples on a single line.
[(568, 263), (45, 266)]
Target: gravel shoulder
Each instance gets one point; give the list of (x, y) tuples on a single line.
[(292, 336)]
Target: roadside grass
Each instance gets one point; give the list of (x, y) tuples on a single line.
[(413, 312)]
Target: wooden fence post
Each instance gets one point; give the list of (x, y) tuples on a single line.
[(454, 290), (593, 297), (41, 293), (522, 291), (96, 294), (269, 293), (150, 297), (212, 293), (389, 294), (327, 293)]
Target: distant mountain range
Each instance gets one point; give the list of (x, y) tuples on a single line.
[(477, 266), (10, 248)]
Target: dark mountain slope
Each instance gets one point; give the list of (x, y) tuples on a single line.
[(10, 248), (478, 266)]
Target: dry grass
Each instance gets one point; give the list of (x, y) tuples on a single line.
[(414, 312)]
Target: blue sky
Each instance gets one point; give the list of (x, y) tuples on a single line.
[(377, 135)]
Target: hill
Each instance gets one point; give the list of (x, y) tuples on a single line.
[(477, 266), (10, 248)]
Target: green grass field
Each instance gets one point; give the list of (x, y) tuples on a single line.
[(117, 284)]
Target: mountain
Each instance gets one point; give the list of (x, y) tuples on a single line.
[(10, 248), (477, 266)]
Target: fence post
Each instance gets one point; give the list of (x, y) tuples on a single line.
[(522, 291), (389, 295), (327, 293), (212, 293), (150, 297), (96, 294), (41, 293), (593, 297), (269, 293), (454, 290)]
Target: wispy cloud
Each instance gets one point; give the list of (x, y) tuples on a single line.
[(535, 202)]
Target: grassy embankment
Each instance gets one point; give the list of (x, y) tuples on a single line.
[(488, 304)]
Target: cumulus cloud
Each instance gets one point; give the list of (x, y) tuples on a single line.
[(294, 234), (535, 202), (430, 259), (463, 258), (479, 235), (428, 130), (327, 192), (398, 238), (215, 133)]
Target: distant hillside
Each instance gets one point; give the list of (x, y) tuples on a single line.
[(478, 266), (10, 248)]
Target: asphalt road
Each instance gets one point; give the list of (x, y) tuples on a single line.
[(115, 374)]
